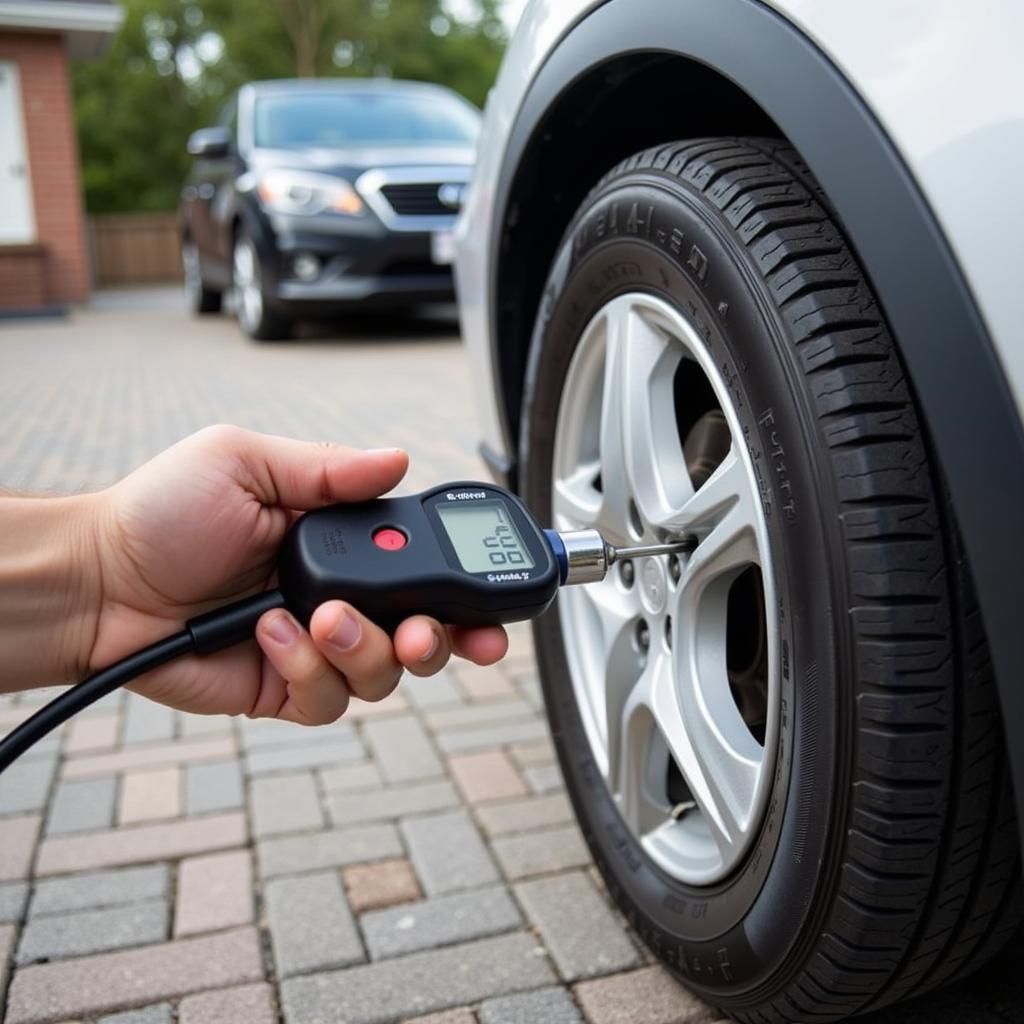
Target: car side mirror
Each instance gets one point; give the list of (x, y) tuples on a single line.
[(212, 143)]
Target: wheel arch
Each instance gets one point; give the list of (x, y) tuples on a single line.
[(718, 56)]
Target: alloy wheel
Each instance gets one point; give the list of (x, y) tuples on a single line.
[(248, 292), (673, 660)]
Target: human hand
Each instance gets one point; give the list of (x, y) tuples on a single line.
[(198, 527)]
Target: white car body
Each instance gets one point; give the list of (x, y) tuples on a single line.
[(940, 76), (941, 87)]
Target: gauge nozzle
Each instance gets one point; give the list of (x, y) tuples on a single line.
[(585, 557)]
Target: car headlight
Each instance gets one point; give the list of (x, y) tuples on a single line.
[(305, 192)]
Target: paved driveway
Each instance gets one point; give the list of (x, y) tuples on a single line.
[(418, 858)]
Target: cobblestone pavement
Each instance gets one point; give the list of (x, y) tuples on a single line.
[(417, 860)]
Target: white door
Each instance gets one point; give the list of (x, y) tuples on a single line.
[(17, 221)]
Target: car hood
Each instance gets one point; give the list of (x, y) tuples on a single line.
[(357, 160)]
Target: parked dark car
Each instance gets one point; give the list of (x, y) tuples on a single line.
[(312, 197)]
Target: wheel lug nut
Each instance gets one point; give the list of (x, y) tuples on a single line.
[(675, 570), (643, 635), (627, 573)]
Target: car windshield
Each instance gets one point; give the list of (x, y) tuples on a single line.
[(352, 118)]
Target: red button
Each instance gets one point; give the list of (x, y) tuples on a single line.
[(389, 540)]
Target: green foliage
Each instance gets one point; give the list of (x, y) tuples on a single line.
[(175, 62)]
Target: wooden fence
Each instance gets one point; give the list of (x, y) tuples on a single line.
[(134, 248)]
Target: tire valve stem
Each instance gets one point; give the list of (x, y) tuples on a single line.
[(681, 808), (585, 557)]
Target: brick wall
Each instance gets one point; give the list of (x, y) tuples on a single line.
[(23, 277), (53, 159)]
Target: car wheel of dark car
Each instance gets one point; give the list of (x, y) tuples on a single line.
[(198, 298), (785, 748), (255, 317)]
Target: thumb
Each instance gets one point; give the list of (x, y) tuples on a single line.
[(309, 474)]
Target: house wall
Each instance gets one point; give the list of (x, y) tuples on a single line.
[(53, 162)]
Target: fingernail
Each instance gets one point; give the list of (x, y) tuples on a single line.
[(345, 634), (282, 629), (383, 451), (432, 649)]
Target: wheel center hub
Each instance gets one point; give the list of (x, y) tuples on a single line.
[(653, 585)]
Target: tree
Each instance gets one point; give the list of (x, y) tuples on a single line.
[(175, 62)]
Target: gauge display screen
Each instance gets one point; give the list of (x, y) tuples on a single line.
[(484, 536)]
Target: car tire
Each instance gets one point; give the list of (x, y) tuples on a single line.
[(198, 298), (797, 797), (255, 315)]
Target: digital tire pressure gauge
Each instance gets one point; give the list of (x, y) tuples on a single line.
[(464, 553), (467, 554)]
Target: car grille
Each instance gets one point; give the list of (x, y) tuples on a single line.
[(419, 200)]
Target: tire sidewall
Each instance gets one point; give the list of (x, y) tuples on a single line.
[(643, 233)]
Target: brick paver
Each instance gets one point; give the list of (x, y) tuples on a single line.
[(100, 889), (247, 1004), (311, 925), (340, 847), (214, 891), (402, 749), (159, 1013), (89, 985), (535, 812), (150, 795), (421, 982), (647, 996), (82, 805), (374, 886), (92, 734), (149, 756), (428, 824), (489, 775), (286, 803), (581, 932), (538, 853), (214, 786), (550, 1005), (140, 843), (17, 841), (440, 921), (448, 853), (391, 802), (92, 931), (23, 787), (13, 899)]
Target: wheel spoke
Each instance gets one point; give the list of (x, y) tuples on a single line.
[(577, 502), (721, 778), (613, 615), (729, 546), (653, 456), (613, 515), (634, 774)]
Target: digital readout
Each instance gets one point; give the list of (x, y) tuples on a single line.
[(484, 536)]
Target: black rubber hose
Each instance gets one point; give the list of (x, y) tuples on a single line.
[(205, 634), (58, 711)]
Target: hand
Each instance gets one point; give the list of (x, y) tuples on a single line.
[(199, 526)]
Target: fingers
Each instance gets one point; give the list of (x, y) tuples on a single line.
[(358, 648), (484, 644), (315, 691), (422, 645), (344, 654), (308, 474)]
